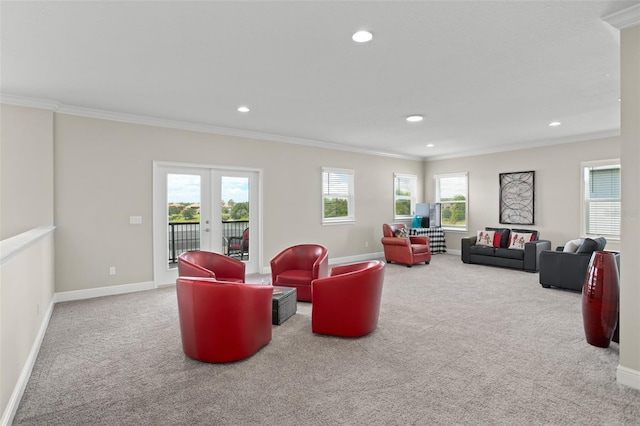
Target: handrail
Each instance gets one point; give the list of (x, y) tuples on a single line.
[(10, 247)]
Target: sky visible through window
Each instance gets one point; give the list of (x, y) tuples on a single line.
[(186, 188)]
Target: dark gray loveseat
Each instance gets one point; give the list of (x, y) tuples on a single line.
[(526, 260), (567, 269)]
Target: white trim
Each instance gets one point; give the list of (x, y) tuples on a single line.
[(21, 384), (625, 18), (29, 102), (90, 293), (528, 145), (628, 377), (184, 125), (10, 247), (340, 260)]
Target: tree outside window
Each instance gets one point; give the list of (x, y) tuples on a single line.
[(404, 195), (337, 196), (452, 193)]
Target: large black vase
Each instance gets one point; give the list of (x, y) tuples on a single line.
[(600, 299)]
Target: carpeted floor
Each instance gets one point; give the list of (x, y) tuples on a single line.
[(455, 344)]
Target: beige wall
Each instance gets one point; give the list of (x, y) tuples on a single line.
[(557, 186), (630, 268), (26, 169), (26, 302), (104, 175), (26, 274)]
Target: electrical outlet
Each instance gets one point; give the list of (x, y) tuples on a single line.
[(366, 243), (112, 270)]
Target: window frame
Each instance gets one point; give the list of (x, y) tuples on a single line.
[(349, 174), (413, 199), (437, 178), (585, 168)]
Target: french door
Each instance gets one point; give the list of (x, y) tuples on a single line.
[(204, 208)]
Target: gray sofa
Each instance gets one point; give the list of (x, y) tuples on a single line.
[(526, 260), (567, 270)]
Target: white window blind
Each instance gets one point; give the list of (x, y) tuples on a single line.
[(602, 204), (337, 195)]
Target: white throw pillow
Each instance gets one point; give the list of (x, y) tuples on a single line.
[(572, 245), (485, 238), (519, 239)]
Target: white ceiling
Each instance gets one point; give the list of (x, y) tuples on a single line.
[(487, 75)]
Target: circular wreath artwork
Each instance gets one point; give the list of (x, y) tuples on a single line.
[(517, 198)]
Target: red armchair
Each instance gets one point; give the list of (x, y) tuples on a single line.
[(223, 321), (211, 265), (297, 266), (406, 250), (347, 303)]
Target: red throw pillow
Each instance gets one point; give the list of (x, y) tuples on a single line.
[(496, 239)]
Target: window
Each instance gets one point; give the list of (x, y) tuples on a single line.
[(452, 194), (337, 196), (601, 190), (404, 195)]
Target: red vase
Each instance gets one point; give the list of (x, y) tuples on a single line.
[(600, 299)]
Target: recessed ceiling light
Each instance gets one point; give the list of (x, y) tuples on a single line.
[(362, 36), (415, 118), (430, 145), (555, 123), (243, 109)]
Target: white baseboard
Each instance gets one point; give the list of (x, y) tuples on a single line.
[(14, 400), (339, 260), (628, 377), (356, 258), (66, 296)]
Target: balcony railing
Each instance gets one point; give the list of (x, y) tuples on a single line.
[(185, 236)]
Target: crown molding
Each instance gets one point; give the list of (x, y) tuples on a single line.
[(29, 102), (531, 144), (182, 125), (625, 18)]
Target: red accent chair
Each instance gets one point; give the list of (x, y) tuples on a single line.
[(212, 265), (297, 266), (406, 250), (239, 245), (223, 321), (347, 303)]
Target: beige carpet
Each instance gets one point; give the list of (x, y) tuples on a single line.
[(456, 344)]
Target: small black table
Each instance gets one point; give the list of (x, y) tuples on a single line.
[(285, 304)]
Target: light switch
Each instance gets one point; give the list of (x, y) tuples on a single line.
[(135, 220)]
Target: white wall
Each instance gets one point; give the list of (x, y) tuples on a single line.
[(557, 186), (103, 173), (629, 370)]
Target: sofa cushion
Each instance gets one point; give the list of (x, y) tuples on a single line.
[(510, 253), (400, 233), (518, 240), (482, 250), (497, 236), (485, 238), (504, 235), (571, 246), (527, 231), (589, 245)]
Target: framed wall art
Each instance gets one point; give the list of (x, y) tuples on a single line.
[(517, 199)]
